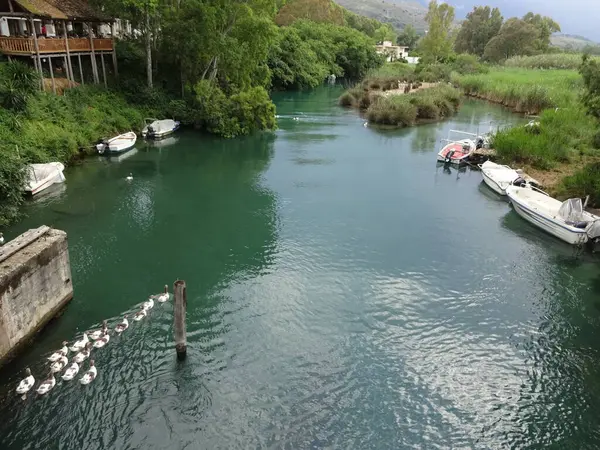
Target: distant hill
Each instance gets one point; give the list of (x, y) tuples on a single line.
[(398, 13), (571, 41)]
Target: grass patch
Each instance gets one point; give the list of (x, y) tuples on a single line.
[(524, 90), (566, 61), (405, 110), (585, 181), (563, 135)]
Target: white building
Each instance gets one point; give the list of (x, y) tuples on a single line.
[(391, 51)]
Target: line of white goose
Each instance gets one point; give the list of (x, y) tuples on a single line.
[(83, 348)]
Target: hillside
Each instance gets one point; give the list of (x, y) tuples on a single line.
[(571, 41), (399, 13)]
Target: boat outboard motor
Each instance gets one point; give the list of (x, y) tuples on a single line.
[(593, 233), (102, 146), (480, 143), (520, 182), (449, 156)]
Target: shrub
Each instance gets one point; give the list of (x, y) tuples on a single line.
[(570, 61), (584, 182)]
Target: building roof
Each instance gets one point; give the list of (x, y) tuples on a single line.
[(41, 8), (63, 10), (79, 10)]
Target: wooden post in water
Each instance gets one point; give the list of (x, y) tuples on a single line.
[(180, 302)]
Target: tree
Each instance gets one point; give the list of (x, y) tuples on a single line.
[(480, 26), (408, 37), (590, 72), (545, 26), (437, 43), (385, 33), (516, 37), (323, 11)]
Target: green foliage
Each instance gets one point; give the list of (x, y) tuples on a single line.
[(408, 37), (590, 72), (12, 177), (516, 37), (363, 24), (385, 33), (524, 90), (562, 135), (404, 110), (481, 25), (545, 26), (432, 72), (18, 83), (437, 44), (468, 64), (242, 113), (585, 181), (546, 61)]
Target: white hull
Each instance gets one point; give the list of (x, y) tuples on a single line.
[(551, 224), (42, 176), (493, 185), (158, 129), (118, 144), (498, 177)]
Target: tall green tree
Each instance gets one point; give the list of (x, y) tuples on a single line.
[(480, 26), (385, 33), (516, 37), (590, 72), (408, 37), (437, 43), (545, 27)]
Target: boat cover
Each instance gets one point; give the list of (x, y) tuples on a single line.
[(594, 230), (572, 211), (161, 126)]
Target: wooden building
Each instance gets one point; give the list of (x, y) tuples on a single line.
[(58, 35)]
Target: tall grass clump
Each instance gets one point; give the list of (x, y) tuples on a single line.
[(405, 110), (564, 61), (562, 135), (524, 90), (585, 181)]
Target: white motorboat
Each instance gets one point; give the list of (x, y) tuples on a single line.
[(158, 129), (457, 152), (565, 220), (498, 177), (118, 144), (42, 176)]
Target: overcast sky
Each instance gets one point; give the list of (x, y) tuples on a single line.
[(574, 16)]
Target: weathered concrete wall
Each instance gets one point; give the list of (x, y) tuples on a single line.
[(35, 283)]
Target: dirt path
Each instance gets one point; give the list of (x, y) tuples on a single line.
[(402, 86)]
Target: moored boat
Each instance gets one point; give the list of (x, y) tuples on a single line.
[(42, 176), (118, 144), (157, 129), (565, 220), (456, 152), (498, 177)]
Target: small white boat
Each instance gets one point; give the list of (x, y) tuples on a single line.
[(565, 220), (118, 144), (456, 152), (157, 129), (498, 177), (42, 176)]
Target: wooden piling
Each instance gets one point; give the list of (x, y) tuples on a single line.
[(114, 51), (180, 302), (52, 74), (37, 53), (80, 70), (69, 64), (103, 69)]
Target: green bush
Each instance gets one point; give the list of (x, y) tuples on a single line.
[(570, 61), (584, 182)]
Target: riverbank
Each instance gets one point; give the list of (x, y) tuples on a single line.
[(561, 150)]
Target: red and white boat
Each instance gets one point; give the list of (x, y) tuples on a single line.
[(456, 152), (42, 176)]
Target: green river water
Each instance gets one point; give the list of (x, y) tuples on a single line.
[(343, 292)]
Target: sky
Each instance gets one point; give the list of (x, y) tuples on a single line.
[(574, 16)]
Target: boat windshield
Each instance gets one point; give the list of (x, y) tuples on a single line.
[(572, 211)]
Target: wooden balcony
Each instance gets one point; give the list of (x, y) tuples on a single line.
[(26, 46)]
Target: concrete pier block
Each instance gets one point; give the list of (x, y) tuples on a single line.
[(35, 284)]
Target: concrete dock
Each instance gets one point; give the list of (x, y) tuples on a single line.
[(35, 284)]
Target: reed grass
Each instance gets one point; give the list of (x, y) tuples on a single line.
[(523, 90), (585, 181), (568, 61)]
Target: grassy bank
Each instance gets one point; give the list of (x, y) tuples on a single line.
[(565, 61), (523, 90)]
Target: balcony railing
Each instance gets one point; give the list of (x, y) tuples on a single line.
[(26, 46)]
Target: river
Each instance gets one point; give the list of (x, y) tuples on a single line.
[(343, 292)]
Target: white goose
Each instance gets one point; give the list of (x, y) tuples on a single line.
[(59, 365), (90, 375), (83, 354), (1, 239), (64, 351), (102, 341), (129, 177), (139, 315), (97, 334), (80, 344), (122, 326), (46, 385), (71, 372), (148, 305), (26, 383), (161, 298)]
